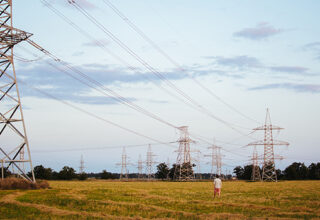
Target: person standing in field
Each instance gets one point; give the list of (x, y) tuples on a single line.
[(217, 186)]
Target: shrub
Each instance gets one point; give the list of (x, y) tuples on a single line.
[(18, 183)]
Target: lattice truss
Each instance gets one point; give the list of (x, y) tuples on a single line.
[(14, 148), (183, 169)]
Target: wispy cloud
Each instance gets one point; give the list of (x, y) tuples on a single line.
[(290, 69), (313, 47), (261, 31), (239, 62), (311, 88), (65, 87), (245, 62)]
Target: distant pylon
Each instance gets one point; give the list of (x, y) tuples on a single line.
[(216, 161), (149, 163), (81, 168), (168, 164), (124, 170), (255, 176), (268, 168), (15, 153), (140, 167), (184, 171), (198, 165), (219, 161)]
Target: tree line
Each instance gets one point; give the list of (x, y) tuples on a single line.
[(295, 171)]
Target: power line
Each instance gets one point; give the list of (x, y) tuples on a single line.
[(91, 114), (103, 47), (149, 67), (123, 100), (78, 29), (103, 89), (66, 149), (169, 58)]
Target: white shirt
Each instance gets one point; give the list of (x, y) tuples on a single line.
[(217, 183)]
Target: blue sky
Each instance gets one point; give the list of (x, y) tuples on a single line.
[(253, 55)]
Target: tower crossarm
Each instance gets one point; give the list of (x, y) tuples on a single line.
[(269, 127), (11, 36), (275, 142)]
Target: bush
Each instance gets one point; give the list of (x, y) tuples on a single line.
[(18, 183), (82, 176)]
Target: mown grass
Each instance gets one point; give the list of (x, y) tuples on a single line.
[(190, 200), (13, 211)]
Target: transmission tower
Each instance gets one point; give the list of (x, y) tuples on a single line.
[(140, 167), (13, 136), (183, 170), (149, 163), (216, 161), (255, 176), (81, 167), (123, 164), (198, 165), (268, 168)]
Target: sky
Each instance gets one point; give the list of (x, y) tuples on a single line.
[(246, 55)]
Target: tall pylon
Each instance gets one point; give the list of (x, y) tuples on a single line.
[(14, 149), (268, 169), (255, 176), (140, 167), (149, 163), (123, 164), (216, 161), (81, 167), (184, 171)]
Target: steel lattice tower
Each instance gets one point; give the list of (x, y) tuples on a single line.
[(13, 136), (123, 164), (140, 167), (255, 176), (184, 171), (198, 175), (268, 169), (149, 163), (216, 162), (81, 167)]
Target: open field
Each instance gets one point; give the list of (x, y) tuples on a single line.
[(138, 200)]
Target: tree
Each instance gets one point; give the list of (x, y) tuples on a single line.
[(247, 172), (67, 173), (6, 173), (107, 175), (314, 171), (42, 173), (296, 171), (173, 170), (239, 171), (280, 174), (82, 176), (162, 171)]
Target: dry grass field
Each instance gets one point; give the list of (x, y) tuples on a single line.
[(163, 200)]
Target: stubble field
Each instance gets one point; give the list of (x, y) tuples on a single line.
[(163, 200)]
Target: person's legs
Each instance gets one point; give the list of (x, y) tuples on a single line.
[(215, 192), (219, 192)]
